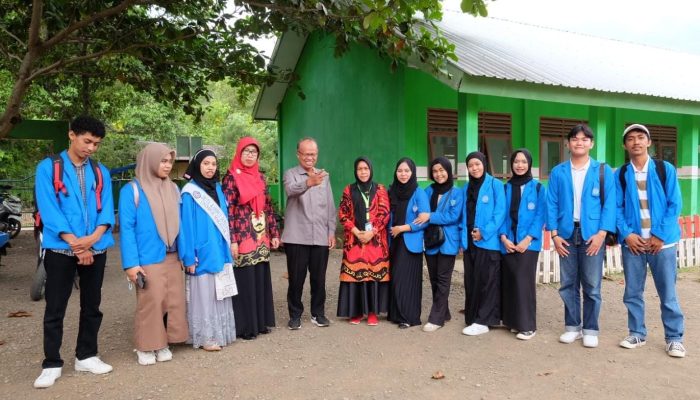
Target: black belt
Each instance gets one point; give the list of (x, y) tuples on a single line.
[(577, 224)]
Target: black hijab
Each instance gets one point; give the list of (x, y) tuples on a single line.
[(440, 188), (517, 182), (473, 190), (194, 172), (400, 193), (361, 190)]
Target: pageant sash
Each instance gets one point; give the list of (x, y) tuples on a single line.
[(212, 209)]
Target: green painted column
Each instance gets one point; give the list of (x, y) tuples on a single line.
[(689, 163), (598, 122), (467, 128)]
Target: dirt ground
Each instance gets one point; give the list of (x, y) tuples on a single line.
[(352, 362)]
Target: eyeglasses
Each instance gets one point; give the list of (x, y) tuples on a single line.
[(252, 152), (307, 155)]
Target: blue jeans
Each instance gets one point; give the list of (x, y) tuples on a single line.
[(664, 272), (581, 272)]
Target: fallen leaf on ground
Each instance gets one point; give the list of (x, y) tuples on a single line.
[(461, 311), (438, 375), (19, 314), (285, 275), (2, 342), (548, 373)]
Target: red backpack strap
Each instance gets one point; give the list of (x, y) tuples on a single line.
[(58, 185), (98, 183)]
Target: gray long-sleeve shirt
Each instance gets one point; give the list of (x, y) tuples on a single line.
[(310, 214)]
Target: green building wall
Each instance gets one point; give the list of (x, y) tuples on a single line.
[(354, 105)]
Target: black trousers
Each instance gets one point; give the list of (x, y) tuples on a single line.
[(300, 258), (60, 271), (482, 282), (440, 267)]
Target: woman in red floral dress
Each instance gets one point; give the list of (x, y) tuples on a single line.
[(253, 233), (364, 272)]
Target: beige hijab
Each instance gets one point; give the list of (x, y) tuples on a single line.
[(162, 194)]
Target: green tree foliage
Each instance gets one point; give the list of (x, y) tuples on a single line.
[(172, 49)]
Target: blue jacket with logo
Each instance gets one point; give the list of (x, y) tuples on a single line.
[(139, 241), (531, 215), (490, 212), (199, 240), (418, 203), (664, 206), (448, 214), (560, 201), (66, 213)]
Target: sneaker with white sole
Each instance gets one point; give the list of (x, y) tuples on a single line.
[(475, 330), (164, 355), (146, 357), (320, 320), (570, 337), (527, 335), (430, 327), (92, 364), (590, 341), (675, 349), (47, 378), (632, 342)]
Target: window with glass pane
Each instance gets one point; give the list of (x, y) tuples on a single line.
[(553, 150), (442, 135), (663, 142), (494, 142)]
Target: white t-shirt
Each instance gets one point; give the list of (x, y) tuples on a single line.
[(578, 176)]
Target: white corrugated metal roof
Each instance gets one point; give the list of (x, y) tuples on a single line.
[(508, 50)]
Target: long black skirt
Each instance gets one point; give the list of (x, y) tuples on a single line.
[(482, 283), (406, 285), (253, 307), (361, 298), (518, 287)]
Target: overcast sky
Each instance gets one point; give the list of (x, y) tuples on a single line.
[(671, 24)]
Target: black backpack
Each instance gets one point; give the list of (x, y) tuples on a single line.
[(660, 171)]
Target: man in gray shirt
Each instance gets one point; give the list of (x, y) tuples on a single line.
[(309, 232)]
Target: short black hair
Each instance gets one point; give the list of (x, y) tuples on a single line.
[(585, 129), (85, 124)]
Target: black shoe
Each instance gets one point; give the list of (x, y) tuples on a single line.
[(266, 330), (249, 336), (294, 324), (404, 325), (320, 320)]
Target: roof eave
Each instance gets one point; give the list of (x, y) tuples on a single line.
[(285, 57)]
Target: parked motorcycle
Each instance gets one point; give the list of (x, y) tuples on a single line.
[(10, 212), (36, 291)]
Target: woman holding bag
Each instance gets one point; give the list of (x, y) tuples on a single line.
[(441, 238), (149, 223), (204, 246)]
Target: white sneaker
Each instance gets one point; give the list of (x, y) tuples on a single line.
[(475, 329), (146, 357), (429, 327), (92, 364), (47, 378), (590, 341), (570, 337), (675, 349), (164, 355), (527, 335)]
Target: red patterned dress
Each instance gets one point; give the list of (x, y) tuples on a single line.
[(364, 272), (253, 306)]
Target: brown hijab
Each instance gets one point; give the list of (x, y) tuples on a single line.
[(162, 193)]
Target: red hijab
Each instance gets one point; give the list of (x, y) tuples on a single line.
[(250, 186)]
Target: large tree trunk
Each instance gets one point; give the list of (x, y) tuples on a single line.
[(11, 116)]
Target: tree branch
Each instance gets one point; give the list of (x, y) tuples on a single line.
[(35, 24), (14, 37), (60, 36), (108, 51)]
